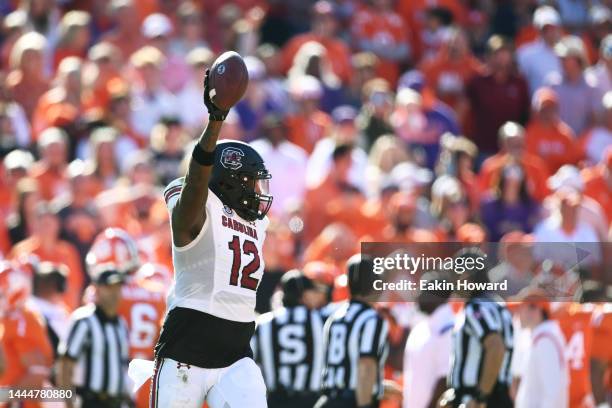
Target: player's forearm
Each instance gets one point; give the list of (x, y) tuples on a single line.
[(189, 213), (366, 378), (208, 138), (493, 359)]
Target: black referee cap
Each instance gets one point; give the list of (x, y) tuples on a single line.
[(293, 284), (360, 272)]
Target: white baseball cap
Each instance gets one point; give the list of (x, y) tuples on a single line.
[(155, 25), (546, 15), (306, 87), (566, 176), (18, 159)]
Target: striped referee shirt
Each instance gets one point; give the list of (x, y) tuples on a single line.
[(353, 331), (288, 346), (99, 344), (480, 317)]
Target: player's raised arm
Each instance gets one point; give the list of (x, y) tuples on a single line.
[(189, 215)]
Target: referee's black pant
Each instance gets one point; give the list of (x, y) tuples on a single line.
[(283, 399)]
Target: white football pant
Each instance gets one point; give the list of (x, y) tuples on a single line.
[(178, 385)]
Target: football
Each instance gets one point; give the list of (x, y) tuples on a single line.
[(228, 80)]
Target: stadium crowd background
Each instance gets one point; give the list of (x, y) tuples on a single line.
[(380, 120)]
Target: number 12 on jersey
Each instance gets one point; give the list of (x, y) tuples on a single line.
[(244, 279)]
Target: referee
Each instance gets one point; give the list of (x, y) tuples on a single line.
[(288, 346), (482, 345), (356, 345), (97, 344)]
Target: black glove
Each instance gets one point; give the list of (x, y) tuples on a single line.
[(214, 113)]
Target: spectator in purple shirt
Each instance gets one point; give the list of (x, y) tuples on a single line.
[(511, 208), (256, 103)]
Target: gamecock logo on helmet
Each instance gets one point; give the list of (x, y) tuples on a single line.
[(231, 158)]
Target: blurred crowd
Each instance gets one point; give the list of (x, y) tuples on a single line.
[(380, 120)]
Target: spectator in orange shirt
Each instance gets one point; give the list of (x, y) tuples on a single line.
[(74, 36), (598, 183), (335, 186), (27, 80), (430, 30), (157, 244), (511, 138), (126, 32), (47, 245), (323, 31), (61, 105), (377, 28), (103, 67), (548, 137), (428, 19), (401, 217), (308, 124), (49, 170), (450, 70)]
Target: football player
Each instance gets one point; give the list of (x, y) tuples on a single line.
[(575, 322), (218, 224), (26, 346), (142, 305)]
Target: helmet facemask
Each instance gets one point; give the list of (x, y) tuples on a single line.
[(252, 201)]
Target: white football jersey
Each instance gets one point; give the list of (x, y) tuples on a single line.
[(219, 271)]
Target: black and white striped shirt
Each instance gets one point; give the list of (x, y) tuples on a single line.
[(99, 344), (480, 317), (353, 331), (288, 346)]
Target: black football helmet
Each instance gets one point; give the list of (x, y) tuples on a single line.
[(240, 179)]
